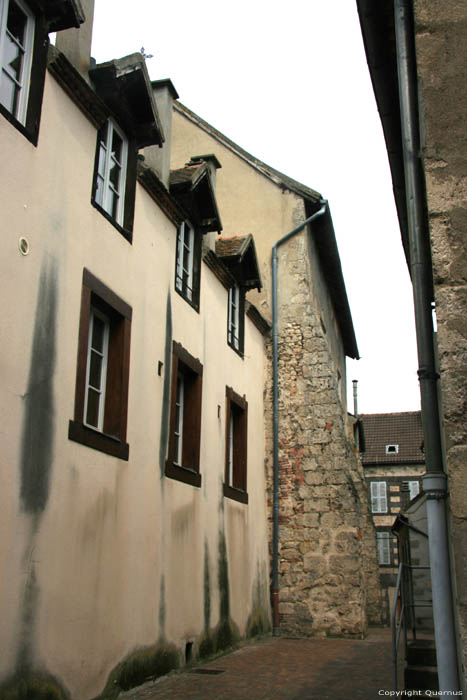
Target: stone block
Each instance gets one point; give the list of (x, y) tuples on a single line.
[(347, 543), (331, 520), (344, 563), (457, 471)]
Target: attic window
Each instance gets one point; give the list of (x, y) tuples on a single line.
[(392, 449)]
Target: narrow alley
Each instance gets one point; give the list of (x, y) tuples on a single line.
[(285, 668)]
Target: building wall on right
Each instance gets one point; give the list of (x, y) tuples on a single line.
[(440, 31)]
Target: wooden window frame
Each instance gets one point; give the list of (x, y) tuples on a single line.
[(125, 216), (28, 121), (236, 446), (376, 498), (112, 438), (195, 264), (192, 371)]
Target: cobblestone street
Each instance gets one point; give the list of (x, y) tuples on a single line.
[(284, 668)]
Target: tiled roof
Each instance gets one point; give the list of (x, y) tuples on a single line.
[(232, 246), (188, 174), (401, 429)]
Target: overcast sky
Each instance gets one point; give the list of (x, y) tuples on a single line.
[(288, 82)]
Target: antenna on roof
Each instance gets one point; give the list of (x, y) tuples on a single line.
[(146, 56)]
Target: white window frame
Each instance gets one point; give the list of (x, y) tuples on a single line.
[(25, 77), (414, 489), (378, 493), (392, 449), (230, 464), (184, 274), (180, 407), (105, 356), (103, 196), (233, 332), (384, 548)]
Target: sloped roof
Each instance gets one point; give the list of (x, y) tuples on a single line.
[(272, 174), (401, 429), (323, 227), (192, 187), (233, 246)]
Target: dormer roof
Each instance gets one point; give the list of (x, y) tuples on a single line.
[(192, 188), (125, 87), (238, 253)]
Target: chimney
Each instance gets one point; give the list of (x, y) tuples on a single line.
[(355, 398), (75, 44), (158, 158), (213, 164)]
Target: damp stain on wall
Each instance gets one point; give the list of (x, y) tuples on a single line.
[(39, 419)]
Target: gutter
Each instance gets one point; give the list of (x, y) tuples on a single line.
[(275, 382), (434, 481)]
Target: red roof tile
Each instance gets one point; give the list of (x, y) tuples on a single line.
[(401, 429)]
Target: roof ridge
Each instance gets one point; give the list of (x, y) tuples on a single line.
[(276, 176)]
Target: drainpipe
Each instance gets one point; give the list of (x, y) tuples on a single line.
[(434, 481), (355, 412), (275, 382)]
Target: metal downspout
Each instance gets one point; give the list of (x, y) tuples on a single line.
[(275, 382), (434, 482)]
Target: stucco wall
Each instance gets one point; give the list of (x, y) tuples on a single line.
[(441, 29), (101, 556)]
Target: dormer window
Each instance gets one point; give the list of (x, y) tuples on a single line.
[(111, 170), (392, 449)]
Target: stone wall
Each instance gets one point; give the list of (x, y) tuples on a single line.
[(441, 28), (328, 574)]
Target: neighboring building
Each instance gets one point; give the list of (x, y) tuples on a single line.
[(417, 58), (393, 463), (134, 529), (328, 577)]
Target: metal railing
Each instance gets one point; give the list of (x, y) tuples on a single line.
[(405, 608)]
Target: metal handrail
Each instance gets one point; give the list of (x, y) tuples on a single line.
[(397, 626)]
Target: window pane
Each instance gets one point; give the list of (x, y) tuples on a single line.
[(114, 200), (12, 58), (92, 413), (16, 22), (100, 190), (9, 93), (117, 147), (98, 328), (95, 370), (102, 155), (114, 175)]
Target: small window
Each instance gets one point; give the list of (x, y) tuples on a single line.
[(101, 397), (235, 318), (414, 489), (188, 263), (115, 177), (392, 449), (379, 503), (384, 549), (235, 480), (185, 418)]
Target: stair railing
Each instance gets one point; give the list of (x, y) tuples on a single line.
[(405, 608)]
